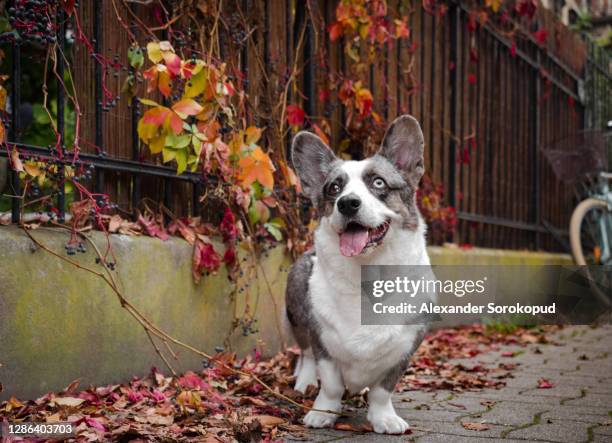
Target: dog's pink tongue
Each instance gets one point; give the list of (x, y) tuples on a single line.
[(353, 242)]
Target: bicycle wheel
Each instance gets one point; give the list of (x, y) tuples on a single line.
[(590, 230), (586, 236)]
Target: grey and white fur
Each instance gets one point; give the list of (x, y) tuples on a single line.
[(367, 216)]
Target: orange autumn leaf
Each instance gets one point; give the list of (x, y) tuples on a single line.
[(187, 107), (158, 78), (256, 166), (322, 135)]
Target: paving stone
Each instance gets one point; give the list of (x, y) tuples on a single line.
[(428, 415), (577, 413), (557, 431), (448, 438), (590, 399), (380, 438), (558, 390), (455, 428), (603, 430), (512, 413), (417, 396), (514, 394)]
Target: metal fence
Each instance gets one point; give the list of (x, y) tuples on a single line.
[(486, 105)]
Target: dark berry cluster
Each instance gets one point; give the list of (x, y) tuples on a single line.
[(33, 20)]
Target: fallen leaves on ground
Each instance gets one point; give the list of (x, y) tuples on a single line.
[(218, 405), (471, 426), (545, 384)]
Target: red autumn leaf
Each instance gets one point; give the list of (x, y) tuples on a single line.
[(229, 258), (187, 69), (513, 49), (228, 226), (571, 101), (192, 381), (152, 227), (295, 115), (335, 31), (526, 8), (472, 79), (541, 35), (205, 258), (93, 423), (173, 63), (545, 384), (156, 116)]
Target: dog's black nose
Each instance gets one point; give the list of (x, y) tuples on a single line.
[(349, 204)]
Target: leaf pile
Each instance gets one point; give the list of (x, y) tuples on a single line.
[(217, 404), (431, 369)]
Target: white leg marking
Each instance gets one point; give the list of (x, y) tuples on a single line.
[(307, 372), (329, 398), (298, 365), (381, 413)]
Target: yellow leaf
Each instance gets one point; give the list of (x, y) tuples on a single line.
[(157, 144), (32, 169), (196, 84), (494, 4), (154, 52), (253, 134), (145, 131), (2, 98)]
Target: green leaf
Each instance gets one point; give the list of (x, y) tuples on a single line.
[(168, 154), (178, 141), (197, 145), (181, 161), (135, 57), (146, 101), (253, 214), (274, 231), (40, 115)]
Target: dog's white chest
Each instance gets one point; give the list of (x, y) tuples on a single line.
[(364, 353)]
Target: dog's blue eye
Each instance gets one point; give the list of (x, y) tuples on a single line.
[(379, 183)]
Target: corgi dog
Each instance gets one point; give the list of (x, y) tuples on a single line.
[(367, 216)]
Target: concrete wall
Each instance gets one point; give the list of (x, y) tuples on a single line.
[(58, 323)]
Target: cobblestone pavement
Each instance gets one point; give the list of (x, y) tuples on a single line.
[(578, 408)]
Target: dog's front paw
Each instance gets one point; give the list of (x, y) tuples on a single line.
[(389, 424), (316, 419)]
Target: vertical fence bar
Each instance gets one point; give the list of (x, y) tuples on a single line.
[(135, 115), (536, 149), (452, 147), (99, 140), (59, 54), (309, 75), (15, 128)]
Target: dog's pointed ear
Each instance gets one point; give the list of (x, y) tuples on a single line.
[(312, 160), (403, 146)]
